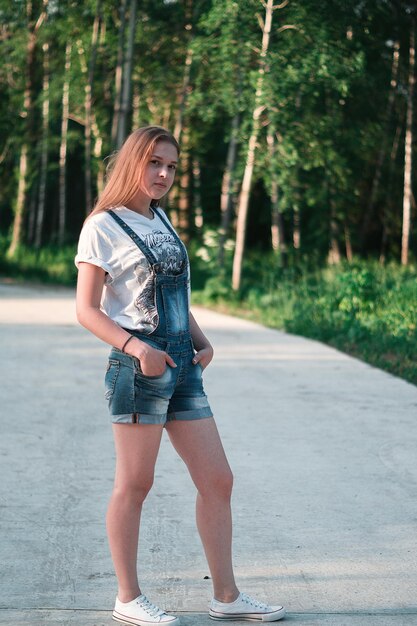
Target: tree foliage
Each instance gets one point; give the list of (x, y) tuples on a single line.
[(326, 103)]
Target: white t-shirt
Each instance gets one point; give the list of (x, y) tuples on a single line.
[(129, 294)]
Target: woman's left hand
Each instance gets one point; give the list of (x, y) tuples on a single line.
[(203, 356)]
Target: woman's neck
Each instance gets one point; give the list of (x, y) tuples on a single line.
[(143, 208)]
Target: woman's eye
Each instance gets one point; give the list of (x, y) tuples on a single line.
[(156, 162)]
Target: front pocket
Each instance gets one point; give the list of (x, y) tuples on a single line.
[(110, 379), (141, 375)]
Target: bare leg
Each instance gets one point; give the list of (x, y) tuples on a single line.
[(198, 444), (137, 447)]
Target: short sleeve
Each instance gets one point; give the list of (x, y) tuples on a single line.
[(95, 247)]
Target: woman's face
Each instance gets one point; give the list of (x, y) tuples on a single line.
[(160, 170)]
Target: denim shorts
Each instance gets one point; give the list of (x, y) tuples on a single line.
[(177, 394)]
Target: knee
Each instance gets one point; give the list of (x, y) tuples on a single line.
[(131, 491), (218, 485)]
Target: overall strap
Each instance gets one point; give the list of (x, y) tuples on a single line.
[(171, 229), (137, 240)]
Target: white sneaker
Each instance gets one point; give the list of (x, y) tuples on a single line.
[(142, 612), (245, 607)]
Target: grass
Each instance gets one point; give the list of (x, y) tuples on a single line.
[(362, 308), (49, 265)]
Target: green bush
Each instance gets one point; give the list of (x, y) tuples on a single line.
[(362, 308), (51, 264)]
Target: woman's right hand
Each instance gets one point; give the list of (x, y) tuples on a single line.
[(153, 362)]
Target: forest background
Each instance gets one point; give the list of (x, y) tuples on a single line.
[(294, 190)]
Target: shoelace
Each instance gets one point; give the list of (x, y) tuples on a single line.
[(253, 602), (150, 608)]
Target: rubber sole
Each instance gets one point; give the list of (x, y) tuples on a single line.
[(125, 620), (250, 617)]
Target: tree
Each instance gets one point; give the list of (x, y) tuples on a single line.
[(36, 15), (259, 106), (408, 155)]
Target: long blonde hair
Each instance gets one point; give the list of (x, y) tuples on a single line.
[(124, 173)]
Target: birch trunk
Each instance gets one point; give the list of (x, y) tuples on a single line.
[(63, 147), (226, 199), (182, 99), (44, 155), (183, 95), (385, 215), (88, 96), (408, 151), (296, 228), (17, 234), (88, 108), (27, 114), (119, 73), (177, 194), (277, 224), (250, 157), (125, 105), (198, 209), (348, 244), (136, 106), (334, 249), (184, 185)]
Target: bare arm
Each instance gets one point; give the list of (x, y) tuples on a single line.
[(89, 289), (204, 348)]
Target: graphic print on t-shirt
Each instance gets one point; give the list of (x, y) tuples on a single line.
[(167, 251)]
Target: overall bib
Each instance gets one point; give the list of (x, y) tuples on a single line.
[(178, 393)]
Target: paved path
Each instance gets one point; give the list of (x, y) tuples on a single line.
[(323, 448)]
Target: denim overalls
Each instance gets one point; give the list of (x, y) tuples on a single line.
[(177, 393)]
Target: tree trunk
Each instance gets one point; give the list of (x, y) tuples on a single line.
[(44, 154), (182, 98), (226, 199), (184, 185), (198, 209), (348, 244), (383, 146), (334, 250), (385, 215), (250, 157), (63, 146), (408, 151), (177, 195), (277, 224), (32, 205), (98, 144), (126, 106), (17, 234), (119, 73), (90, 124), (136, 105), (296, 228), (27, 114), (183, 95), (88, 98)]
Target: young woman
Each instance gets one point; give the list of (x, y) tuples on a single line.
[(133, 293)]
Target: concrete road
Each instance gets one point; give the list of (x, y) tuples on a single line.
[(323, 448)]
